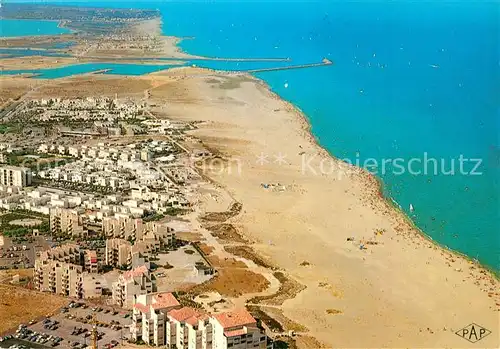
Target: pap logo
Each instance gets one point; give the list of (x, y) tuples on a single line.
[(473, 333)]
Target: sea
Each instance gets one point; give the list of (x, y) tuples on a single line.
[(413, 94)]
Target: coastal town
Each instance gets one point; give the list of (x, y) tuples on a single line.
[(193, 208), (95, 203)]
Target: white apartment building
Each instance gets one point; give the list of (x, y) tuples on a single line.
[(59, 278), (149, 317), (67, 271), (65, 279), (65, 221), (237, 330), (91, 262), (166, 323), (15, 176), (122, 227), (68, 253), (92, 287), (159, 231), (188, 328), (118, 252), (131, 285)]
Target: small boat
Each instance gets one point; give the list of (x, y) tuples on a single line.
[(411, 208)]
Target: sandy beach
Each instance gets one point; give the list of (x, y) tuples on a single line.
[(402, 292), (399, 290), (48, 62), (36, 62)]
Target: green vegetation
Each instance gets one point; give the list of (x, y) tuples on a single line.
[(167, 266), (75, 186), (153, 218), (258, 313), (106, 268), (282, 344), (13, 230), (51, 164), (10, 128), (186, 299), (172, 211), (18, 232)]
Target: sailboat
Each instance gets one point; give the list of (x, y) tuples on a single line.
[(411, 208)]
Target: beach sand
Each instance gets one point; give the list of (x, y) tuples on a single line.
[(404, 291), (48, 62), (35, 62)]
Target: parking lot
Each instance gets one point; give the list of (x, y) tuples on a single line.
[(21, 254), (71, 328)]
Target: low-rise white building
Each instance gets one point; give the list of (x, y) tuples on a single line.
[(13, 176), (159, 320)]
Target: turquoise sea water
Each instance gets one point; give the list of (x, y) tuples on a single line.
[(115, 68), (28, 27), (7, 52), (410, 79)]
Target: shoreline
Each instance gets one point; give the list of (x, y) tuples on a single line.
[(380, 186), (287, 218), (185, 57)]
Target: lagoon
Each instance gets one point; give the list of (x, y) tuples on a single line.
[(76, 69), (28, 27)]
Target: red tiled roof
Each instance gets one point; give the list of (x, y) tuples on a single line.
[(135, 272), (141, 307), (193, 320), (183, 313), (164, 300), (235, 333), (235, 319)]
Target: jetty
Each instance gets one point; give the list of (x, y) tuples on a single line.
[(183, 59), (101, 71), (324, 62)]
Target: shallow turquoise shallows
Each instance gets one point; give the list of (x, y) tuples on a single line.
[(75, 69), (28, 27), (415, 86)]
